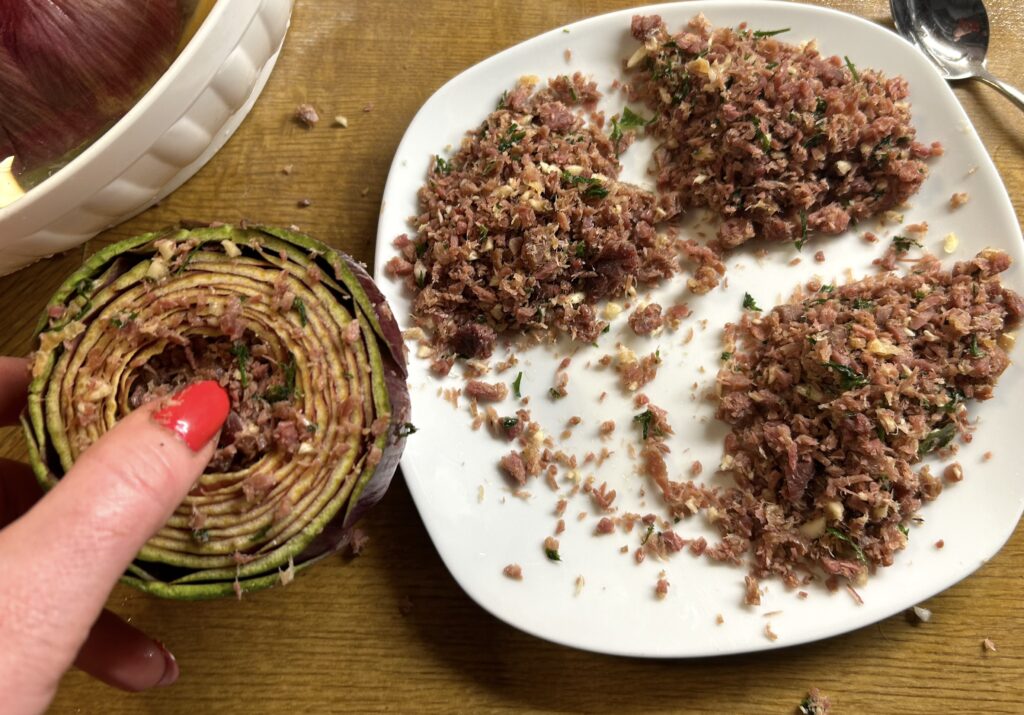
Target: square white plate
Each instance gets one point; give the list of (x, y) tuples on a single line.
[(448, 466)]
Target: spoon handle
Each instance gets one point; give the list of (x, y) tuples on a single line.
[(1014, 94)]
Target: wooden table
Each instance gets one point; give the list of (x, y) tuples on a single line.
[(390, 630)]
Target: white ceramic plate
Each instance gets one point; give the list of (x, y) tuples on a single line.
[(448, 466)]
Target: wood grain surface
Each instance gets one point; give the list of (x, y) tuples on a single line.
[(390, 630)]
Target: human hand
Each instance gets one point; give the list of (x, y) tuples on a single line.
[(61, 553)]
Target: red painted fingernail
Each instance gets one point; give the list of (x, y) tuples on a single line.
[(171, 670), (196, 413)]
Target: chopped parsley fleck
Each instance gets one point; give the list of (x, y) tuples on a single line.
[(905, 529), (299, 306), (517, 385), (976, 352), (421, 248), (579, 249), (847, 540), (820, 106), (749, 303), (937, 439), (726, 355), (862, 304), (955, 398), (241, 353), (645, 420), (902, 244), (513, 135), (555, 393), (552, 554), (509, 422), (849, 379), (853, 69), (771, 65), (827, 288), (592, 186), (632, 120), (803, 231), (503, 99), (650, 530), (406, 429), (286, 390), (770, 33), (483, 231), (442, 166), (201, 536), (760, 136), (606, 329), (311, 427)]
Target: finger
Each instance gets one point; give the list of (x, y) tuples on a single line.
[(62, 558), (14, 379), (19, 490), (123, 656)]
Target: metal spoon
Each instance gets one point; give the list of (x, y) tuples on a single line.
[(954, 36)]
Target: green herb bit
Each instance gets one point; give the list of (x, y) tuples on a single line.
[(117, 323), (976, 352), (853, 69), (503, 100), (726, 355), (849, 379), (421, 248), (299, 306), (937, 439), (201, 536), (513, 135), (311, 427), (606, 328), (803, 232), (552, 554), (241, 353), (862, 304), (509, 422), (632, 120), (902, 244), (580, 249), (770, 33), (645, 420), (616, 133), (442, 166), (749, 303), (595, 191), (517, 385), (771, 65), (650, 530), (905, 529), (955, 398), (406, 429), (285, 391), (820, 106), (260, 534), (555, 393), (846, 539), (760, 136)]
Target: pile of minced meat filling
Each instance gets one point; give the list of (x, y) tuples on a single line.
[(775, 138), (833, 397), (526, 227)]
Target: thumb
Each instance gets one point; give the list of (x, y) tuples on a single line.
[(61, 559)]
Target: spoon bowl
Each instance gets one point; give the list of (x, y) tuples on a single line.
[(954, 35)]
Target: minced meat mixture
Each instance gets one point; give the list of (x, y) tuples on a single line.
[(834, 396), (777, 139), (526, 227), (261, 391)]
